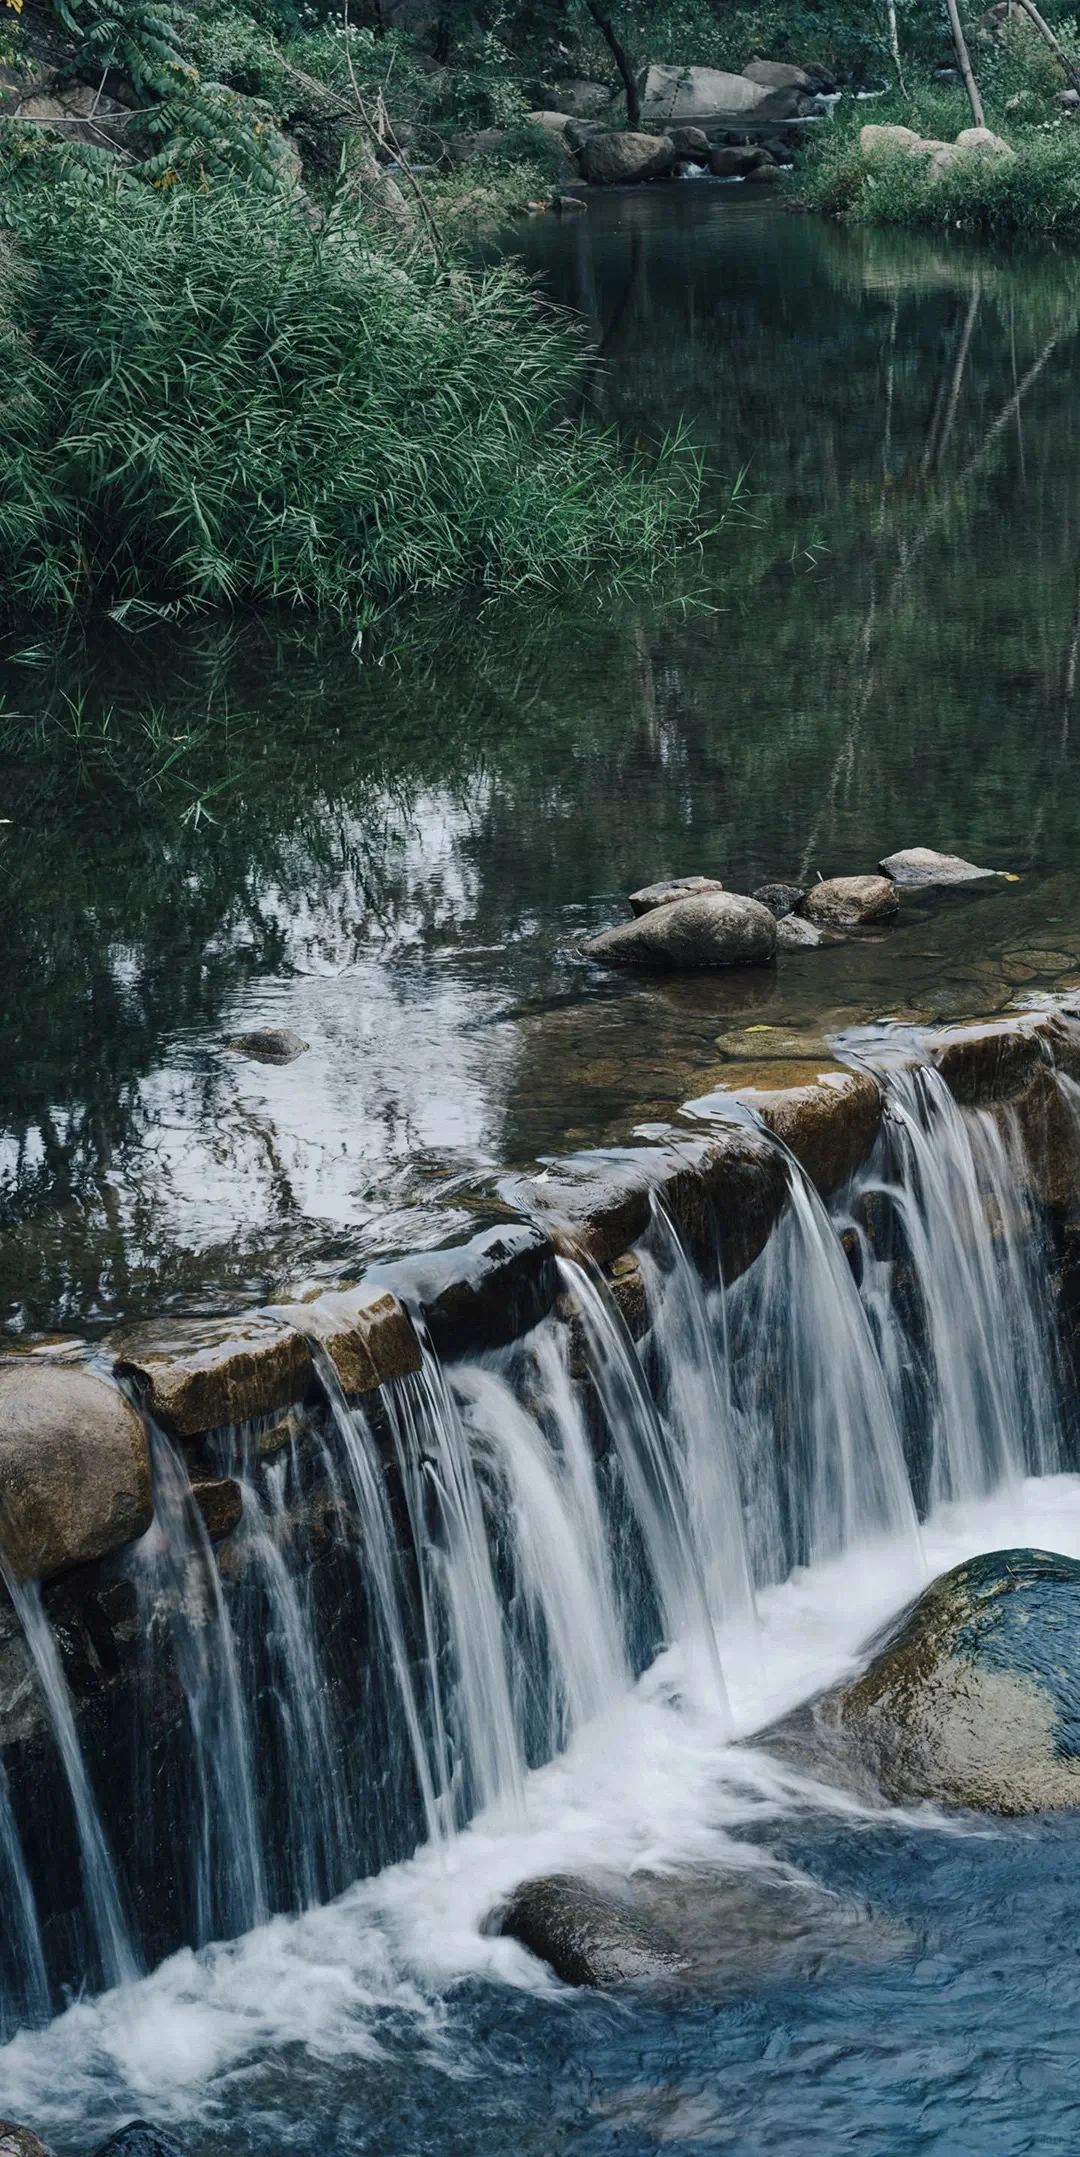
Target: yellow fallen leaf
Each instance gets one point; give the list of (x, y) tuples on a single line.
[(759, 1029), (1007, 876)]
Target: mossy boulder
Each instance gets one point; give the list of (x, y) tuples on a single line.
[(972, 1699)]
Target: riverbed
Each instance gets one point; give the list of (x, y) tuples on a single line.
[(392, 845)]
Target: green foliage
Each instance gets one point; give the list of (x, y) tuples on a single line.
[(1037, 191), (215, 404)]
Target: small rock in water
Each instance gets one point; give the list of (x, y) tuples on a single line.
[(781, 899), (920, 865), (717, 929), (272, 1045), (973, 1699), (849, 901), (140, 2139), (18, 2141), (586, 1934), (669, 889), (793, 933)]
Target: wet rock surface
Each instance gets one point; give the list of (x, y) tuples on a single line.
[(366, 1332), (481, 1293), (919, 866), (140, 2139), (972, 1699), (670, 888), (794, 933), (717, 1931), (18, 2141), (850, 901), (718, 929), (198, 1374), (828, 1114), (74, 1468), (984, 1064)]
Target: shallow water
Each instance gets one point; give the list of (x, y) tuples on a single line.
[(394, 852)]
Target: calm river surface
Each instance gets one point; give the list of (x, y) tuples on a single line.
[(394, 853)]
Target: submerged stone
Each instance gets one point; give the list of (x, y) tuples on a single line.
[(141, 2139), (74, 1468), (199, 1374), (670, 888), (794, 933), (851, 901), (972, 1699), (269, 1045), (717, 929), (709, 1929), (919, 866)]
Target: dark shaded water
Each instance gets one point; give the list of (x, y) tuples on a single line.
[(394, 855)]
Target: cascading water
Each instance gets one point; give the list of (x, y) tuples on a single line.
[(425, 1601), (960, 1302)]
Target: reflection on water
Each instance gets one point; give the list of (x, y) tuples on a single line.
[(393, 853)]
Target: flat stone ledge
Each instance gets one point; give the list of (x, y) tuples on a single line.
[(195, 1375), (366, 1332), (480, 1294), (828, 1114)]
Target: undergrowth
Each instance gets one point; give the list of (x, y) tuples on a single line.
[(1035, 191), (203, 401)]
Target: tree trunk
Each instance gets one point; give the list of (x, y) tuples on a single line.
[(629, 79), (964, 57)]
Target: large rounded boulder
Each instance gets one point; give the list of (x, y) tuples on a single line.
[(718, 928), (74, 1468), (847, 902), (973, 1699)]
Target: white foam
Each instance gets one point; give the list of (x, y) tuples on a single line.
[(656, 1782)]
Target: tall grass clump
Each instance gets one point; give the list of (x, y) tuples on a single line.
[(217, 404), (1035, 191)]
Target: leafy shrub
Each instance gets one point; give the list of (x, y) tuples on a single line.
[(1037, 191), (212, 403)]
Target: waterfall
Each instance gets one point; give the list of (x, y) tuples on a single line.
[(119, 1962), (435, 1590), (180, 1594), (966, 1345)]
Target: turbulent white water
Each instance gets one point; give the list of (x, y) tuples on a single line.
[(654, 1782)]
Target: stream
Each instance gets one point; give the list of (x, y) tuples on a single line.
[(393, 847)]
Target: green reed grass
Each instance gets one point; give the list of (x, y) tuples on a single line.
[(204, 401)]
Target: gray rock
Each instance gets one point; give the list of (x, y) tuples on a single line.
[(691, 143), (618, 160), (920, 865), (670, 888), (973, 1699), (984, 142), (850, 901), (21, 2141), (269, 1045), (74, 1468), (763, 174), (718, 929), (698, 94), (793, 933), (198, 1374), (778, 75), (484, 142), (780, 899)]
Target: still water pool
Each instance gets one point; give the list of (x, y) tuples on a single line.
[(394, 852)]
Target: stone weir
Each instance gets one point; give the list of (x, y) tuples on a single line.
[(221, 1658)]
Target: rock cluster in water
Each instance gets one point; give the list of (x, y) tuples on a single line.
[(138, 2139)]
